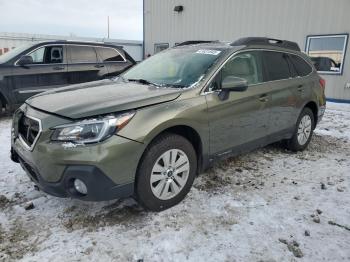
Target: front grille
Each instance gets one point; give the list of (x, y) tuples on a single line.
[(28, 129)]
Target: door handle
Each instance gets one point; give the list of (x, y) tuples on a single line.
[(263, 98), (58, 68), (99, 66), (300, 88)]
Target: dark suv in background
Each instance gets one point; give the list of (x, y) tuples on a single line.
[(31, 69)]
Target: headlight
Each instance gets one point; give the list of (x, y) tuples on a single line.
[(91, 131)]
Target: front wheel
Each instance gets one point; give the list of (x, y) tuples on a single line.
[(166, 172), (2, 109), (303, 131)]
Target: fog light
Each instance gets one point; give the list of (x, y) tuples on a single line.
[(80, 186)]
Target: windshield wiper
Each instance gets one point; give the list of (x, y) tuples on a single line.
[(142, 81), (177, 86), (146, 82)]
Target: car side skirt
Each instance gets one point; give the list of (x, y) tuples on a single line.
[(247, 147)]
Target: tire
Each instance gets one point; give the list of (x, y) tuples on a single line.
[(2, 110), (304, 126), (170, 184)]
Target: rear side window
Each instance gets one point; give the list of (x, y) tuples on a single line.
[(109, 54), (276, 65), (300, 65), (82, 54)]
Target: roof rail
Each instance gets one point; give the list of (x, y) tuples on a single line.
[(266, 41), (83, 41), (193, 42)]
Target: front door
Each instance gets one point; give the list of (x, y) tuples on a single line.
[(47, 70), (241, 121)]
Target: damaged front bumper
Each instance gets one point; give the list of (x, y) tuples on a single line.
[(107, 169)]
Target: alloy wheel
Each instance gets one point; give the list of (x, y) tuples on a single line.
[(169, 174), (304, 129)]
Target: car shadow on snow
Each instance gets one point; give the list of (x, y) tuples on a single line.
[(244, 172), (123, 212)]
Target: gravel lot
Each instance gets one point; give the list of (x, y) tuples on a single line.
[(267, 205)]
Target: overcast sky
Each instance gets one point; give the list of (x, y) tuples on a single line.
[(78, 17)]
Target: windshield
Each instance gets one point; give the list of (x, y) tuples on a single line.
[(179, 67), (14, 52)]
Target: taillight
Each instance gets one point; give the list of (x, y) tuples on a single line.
[(323, 83)]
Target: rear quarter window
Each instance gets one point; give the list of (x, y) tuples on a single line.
[(109, 54), (300, 65), (276, 65)]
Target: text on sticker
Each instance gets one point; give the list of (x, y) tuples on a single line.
[(208, 52)]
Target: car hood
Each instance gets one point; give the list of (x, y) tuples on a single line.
[(100, 97)]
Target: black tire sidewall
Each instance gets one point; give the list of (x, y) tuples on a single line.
[(293, 143), (1, 109), (143, 191)]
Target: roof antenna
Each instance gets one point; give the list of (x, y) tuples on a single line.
[(108, 27)]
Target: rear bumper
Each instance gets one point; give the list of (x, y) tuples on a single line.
[(321, 111), (99, 186)]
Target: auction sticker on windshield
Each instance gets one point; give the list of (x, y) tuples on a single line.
[(208, 52)]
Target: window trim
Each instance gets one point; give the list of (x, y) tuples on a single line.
[(206, 85), (159, 44), (65, 55), (345, 46)]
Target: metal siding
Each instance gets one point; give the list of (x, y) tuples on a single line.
[(232, 19)]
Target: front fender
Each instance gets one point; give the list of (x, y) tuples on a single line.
[(149, 122)]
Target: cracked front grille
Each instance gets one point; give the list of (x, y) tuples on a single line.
[(28, 129)]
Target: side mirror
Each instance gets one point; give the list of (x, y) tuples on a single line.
[(25, 60), (232, 83)]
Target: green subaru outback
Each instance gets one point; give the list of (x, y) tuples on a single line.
[(149, 132)]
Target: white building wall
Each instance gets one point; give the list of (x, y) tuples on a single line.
[(228, 20), (12, 40)]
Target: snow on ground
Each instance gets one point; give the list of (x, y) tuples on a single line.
[(255, 207)]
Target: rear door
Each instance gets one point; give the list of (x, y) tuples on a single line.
[(48, 70), (84, 65), (241, 121), (284, 94), (113, 59), (304, 84)]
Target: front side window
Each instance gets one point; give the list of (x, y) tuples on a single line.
[(160, 47), (327, 52), (109, 54), (83, 54), (244, 65), (47, 55), (179, 67), (276, 65), (38, 55)]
